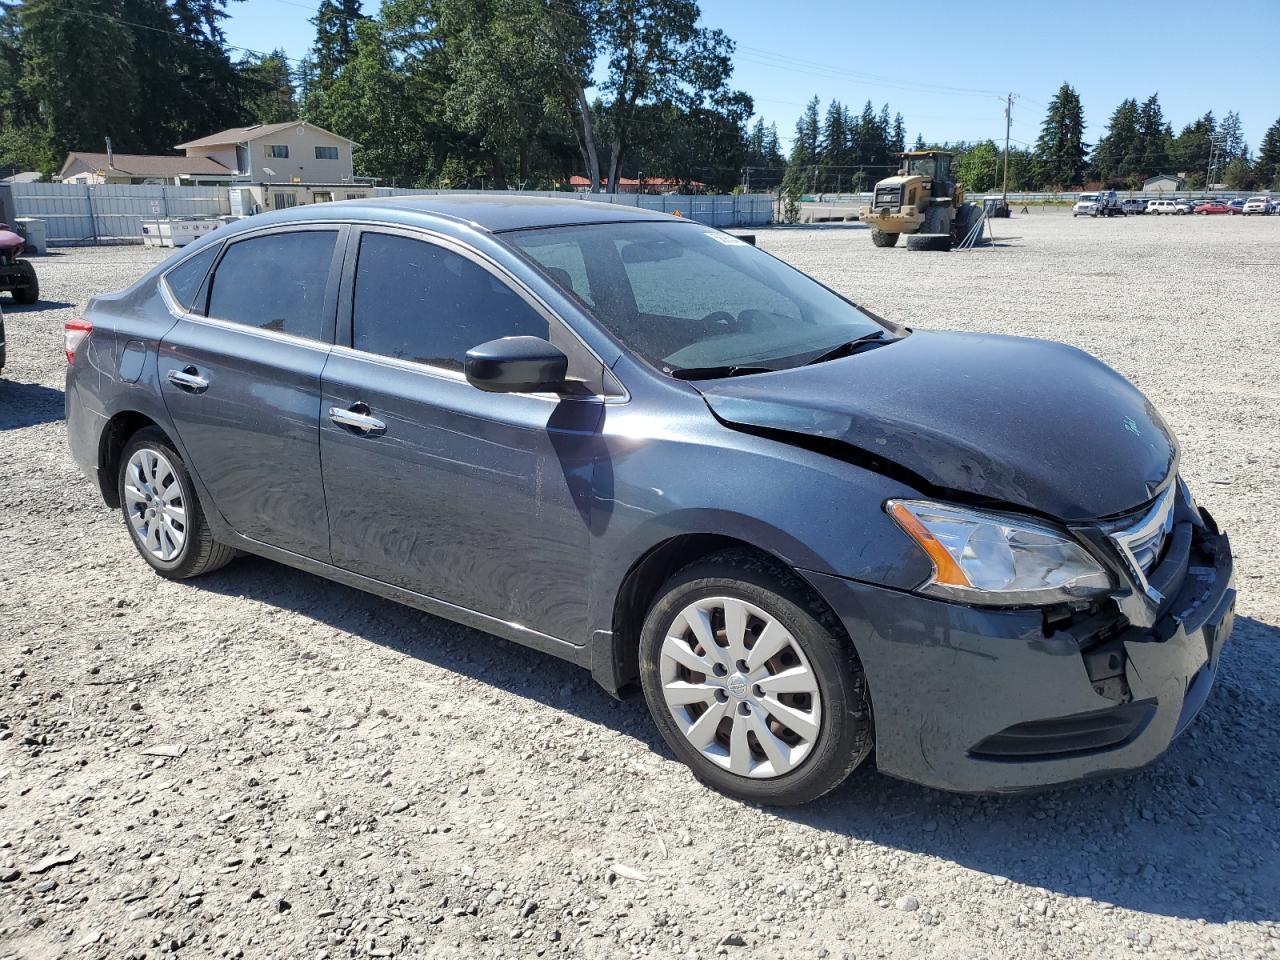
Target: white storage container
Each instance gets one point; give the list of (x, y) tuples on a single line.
[(35, 234), (176, 231)]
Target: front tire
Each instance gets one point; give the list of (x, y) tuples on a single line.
[(162, 512), (882, 238), (752, 683), (30, 293)]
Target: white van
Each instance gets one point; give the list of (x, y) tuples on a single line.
[(1163, 206)]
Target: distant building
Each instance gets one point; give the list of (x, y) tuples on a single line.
[(80, 167), (25, 176), (1163, 183), (293, 152)]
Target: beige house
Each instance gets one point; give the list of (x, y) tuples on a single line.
[(294, 152), (132, 168)]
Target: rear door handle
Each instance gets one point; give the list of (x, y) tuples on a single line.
[(357, 418), (189, 379)]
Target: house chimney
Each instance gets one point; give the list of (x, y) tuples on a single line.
[(110, 155)]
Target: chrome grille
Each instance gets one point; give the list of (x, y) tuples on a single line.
[(1141, 543)]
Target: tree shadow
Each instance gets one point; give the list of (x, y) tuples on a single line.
[(1191, 836), (28, 404)]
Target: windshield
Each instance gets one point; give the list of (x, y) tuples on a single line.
[(687, 297)]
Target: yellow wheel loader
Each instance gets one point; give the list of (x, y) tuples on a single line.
[(922, 201)]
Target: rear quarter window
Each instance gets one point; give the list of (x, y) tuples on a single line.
[(184, 280)]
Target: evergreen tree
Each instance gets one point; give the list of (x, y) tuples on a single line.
[(1231, 134), (1192, 147), (1060, 149), (1267, 168), (267, 88), (808, 135), (899, 141), (335, 24), (1151, 151), (1115, 152), (834, 148)]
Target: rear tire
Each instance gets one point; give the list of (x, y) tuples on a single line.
[(882, 238), (833, 730), (31, 292), (162, 512)]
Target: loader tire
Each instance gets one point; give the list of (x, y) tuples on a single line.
[(882, 238)]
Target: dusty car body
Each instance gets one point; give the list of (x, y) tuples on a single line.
[(568, 516)]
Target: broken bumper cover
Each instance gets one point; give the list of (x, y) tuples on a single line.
[(988, 701)]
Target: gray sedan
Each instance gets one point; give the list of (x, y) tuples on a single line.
[(643, 445)]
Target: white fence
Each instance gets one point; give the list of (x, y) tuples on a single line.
[(715, 210), (111, 213), (1065, 197)]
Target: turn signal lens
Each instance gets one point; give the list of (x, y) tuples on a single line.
[(74, 333), (997, 559)]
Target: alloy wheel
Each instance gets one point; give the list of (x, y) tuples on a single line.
[(155, 505), (740, 688)]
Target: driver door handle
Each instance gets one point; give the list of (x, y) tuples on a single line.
[(357, 418), (188, 379)]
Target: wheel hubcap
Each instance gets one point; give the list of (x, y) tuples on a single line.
[(155, 505), (740, 687)]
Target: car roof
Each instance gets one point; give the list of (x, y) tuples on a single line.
[(494, 212)]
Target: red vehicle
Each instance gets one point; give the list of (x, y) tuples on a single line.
[(1215, 206), (17, 276)]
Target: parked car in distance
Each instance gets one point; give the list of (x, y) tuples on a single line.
[(1185, 206), (1164, 207), (1236, 204), (645, 446), (1256, 205), (1206, 207), (1133, 206)]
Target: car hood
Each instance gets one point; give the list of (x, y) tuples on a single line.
[(1026, 422)]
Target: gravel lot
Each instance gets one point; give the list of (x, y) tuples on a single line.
[(264, 764)]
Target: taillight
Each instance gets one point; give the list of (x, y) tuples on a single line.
[(74, 333)]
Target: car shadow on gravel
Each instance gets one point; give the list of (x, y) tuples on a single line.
[(1193, 836), (28, 404), (489, 659), (1190, 837)]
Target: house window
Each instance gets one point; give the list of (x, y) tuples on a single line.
[(322, 196), (354, 196), (283, 201), (326, 153), (279, 151)]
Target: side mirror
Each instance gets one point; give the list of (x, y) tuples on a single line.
[(516, 365)]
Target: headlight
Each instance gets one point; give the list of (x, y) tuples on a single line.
[(987, 558)]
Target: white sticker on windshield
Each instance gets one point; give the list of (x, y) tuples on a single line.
[(727, 239)]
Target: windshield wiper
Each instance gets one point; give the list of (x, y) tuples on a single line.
[(849, 347), (711, 373)]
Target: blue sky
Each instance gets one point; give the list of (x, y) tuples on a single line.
[(787, 52)]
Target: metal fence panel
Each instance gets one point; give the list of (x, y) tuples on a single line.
[(716, 210), (111, 213)]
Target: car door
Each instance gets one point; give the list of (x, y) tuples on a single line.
[(240, 378), (478, 499)]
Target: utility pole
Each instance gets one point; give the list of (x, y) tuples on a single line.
[(1008, 121), (1215, 144)]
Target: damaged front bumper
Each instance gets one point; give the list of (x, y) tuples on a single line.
[(984, 700)]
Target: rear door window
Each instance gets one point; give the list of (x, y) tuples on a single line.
[(276, 282), (186, 278)]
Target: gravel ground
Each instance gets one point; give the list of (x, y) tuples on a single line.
[(264, 764)]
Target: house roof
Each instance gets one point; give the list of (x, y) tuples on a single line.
[(143, 165), (1164, 176), (255, 132)]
